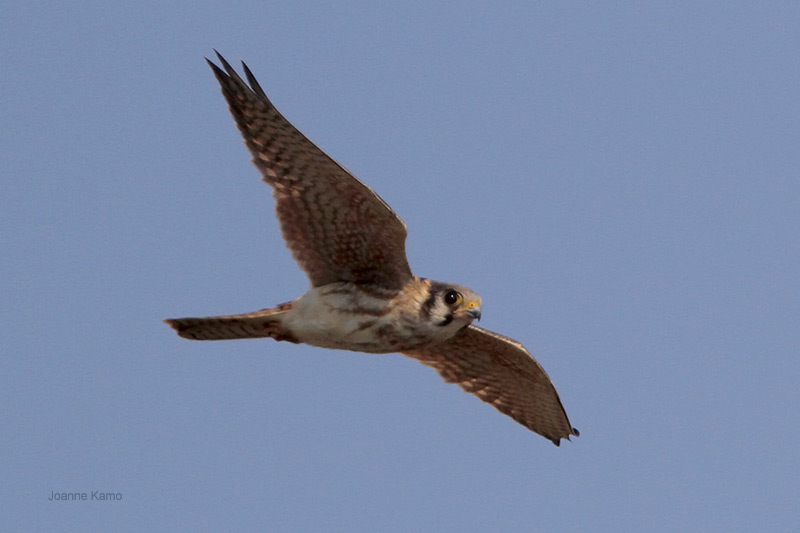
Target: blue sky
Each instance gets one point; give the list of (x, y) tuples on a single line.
[(619, 182)]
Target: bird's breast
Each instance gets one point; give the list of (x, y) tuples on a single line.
[(348, 317)]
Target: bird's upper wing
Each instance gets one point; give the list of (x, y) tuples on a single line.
[(337, 228), (500, 371)]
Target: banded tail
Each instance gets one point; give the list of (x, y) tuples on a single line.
[(264, 323)]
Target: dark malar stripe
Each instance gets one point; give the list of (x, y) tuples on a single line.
[(446, 321)]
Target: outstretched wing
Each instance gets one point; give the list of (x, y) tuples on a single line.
[(337, 228), (500, 371)]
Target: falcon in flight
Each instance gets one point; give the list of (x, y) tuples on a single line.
[(363, 295)]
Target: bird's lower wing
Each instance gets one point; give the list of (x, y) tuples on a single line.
[(501, 372)]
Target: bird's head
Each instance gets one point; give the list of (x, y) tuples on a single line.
[(455, 305)]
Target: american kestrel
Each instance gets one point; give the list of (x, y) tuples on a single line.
[(363, 296)]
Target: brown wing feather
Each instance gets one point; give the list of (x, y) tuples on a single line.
[(500, 371), (337, 228)]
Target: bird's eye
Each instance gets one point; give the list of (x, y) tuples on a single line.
[(451, 297)]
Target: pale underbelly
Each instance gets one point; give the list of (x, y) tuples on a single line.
[(335, 317), (343, 331)]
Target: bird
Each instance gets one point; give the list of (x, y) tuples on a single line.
[(363, 295)]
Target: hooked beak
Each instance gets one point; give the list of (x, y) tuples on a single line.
[(473, 310)]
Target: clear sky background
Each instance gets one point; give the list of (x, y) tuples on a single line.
[(619, 181)]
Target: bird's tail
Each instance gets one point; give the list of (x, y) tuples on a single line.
[(264, 323)]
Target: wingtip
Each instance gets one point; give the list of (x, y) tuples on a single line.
[(218, 72), (251, 79), (225, 65), (574, 433), (216, 53), (227, 74)]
